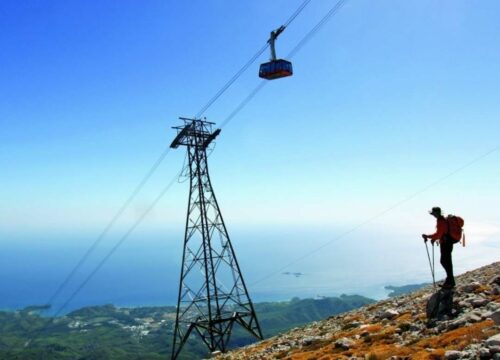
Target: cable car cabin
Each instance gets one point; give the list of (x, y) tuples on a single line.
[(275, 69)]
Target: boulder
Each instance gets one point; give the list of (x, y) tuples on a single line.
[(495, 316), (389, 314), (493, 306), (455, 324), (473, 318), (453, 355), (344, 343), (479, 302), (493, 341), (463, 304), (495, 280), (470, 287), (484, 353), (308, 340)]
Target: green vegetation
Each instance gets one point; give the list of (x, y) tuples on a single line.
[(107, 332), (278, 317)]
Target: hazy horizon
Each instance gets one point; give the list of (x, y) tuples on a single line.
[(145, 270)]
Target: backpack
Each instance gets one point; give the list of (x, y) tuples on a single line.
[(455, 228), (439, 304)]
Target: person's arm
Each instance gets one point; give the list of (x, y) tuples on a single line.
[(440, 230)]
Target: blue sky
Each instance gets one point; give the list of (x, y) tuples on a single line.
[(386, 99)]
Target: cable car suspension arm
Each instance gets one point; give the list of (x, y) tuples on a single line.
[(272, 38)]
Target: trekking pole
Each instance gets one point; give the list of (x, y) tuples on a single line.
[(431, 264), (433, 267)]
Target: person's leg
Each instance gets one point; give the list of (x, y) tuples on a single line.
[(450, 271), (446, 262)]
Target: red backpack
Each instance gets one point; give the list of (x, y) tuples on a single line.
[(455, 228)]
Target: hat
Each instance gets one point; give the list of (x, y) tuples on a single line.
[(436, 210)]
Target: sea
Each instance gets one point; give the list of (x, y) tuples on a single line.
[(277, 262)]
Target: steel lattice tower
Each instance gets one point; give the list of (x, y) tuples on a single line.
[(212, 293)]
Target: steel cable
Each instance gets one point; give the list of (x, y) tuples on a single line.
[(231, 81), (248, 64), (317, 27), (338, 5), (103, 261), (296, 13), (108, 227), (380, 214)]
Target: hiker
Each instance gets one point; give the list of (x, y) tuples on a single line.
[(446, 245)]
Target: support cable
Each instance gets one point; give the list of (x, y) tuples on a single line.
[(380, 214), (248, 64), (103, 261), (231, 81), (296, 13), (242, 104), (110, 224), (117, 244), (338, 5)]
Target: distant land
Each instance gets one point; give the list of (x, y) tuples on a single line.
[(108, 332), (405, 289)]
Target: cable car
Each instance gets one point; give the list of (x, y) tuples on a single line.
[(276, 68)]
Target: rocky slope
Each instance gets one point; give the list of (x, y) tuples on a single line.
[(398, 329)]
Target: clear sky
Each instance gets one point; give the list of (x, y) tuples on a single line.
[(388, 98)]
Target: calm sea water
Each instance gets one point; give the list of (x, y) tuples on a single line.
[(145, 270)]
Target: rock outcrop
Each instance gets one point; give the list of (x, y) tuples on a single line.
[(397, 328)]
